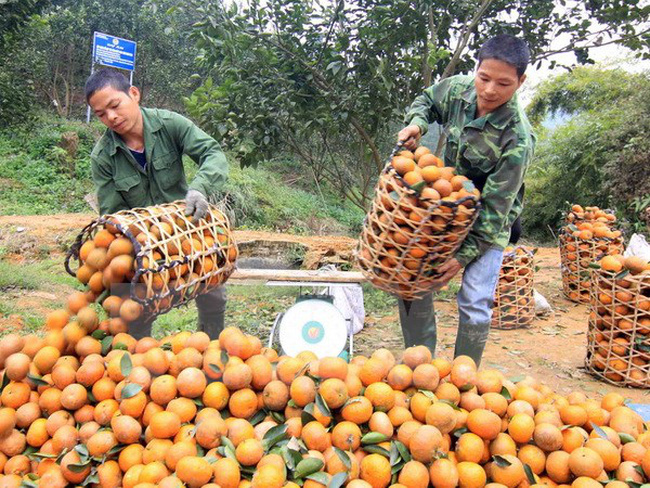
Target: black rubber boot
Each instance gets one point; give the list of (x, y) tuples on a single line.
[(471, 340), (141, 327), (418, 321), (212, 309)]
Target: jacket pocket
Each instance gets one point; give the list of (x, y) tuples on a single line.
[(169, 170), (131, 189), (481, 150)]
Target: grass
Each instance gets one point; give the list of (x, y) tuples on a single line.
[(38, 177), (38, 275), (22, 289), (252, 308)]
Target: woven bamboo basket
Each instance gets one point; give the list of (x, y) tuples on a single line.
[(618, 339), (514, 305), (406, 236), (576, 256), (174, 259)]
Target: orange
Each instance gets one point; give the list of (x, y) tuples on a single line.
[(484, 423), (249, 452), (375, 469), (471, 475), (443, 473), (346, 436), (521, 428), (424, 443), (357, 409), (557, 466), (268, 476), (414, 474), (302, 391), (585, 462), (547, 437), (381, 395), (442, 416), (334, 392), (403, 164), (469, 447), (227, 473)]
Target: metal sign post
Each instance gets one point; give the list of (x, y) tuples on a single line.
[(113, 52)]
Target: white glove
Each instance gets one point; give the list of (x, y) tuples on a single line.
[(197, 205)]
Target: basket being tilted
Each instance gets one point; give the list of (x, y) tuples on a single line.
[(172, 259), (417, 221)]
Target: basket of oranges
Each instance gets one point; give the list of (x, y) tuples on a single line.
[(618, 340), (588, 235), (419, 217), (152, 259), (514, 305)]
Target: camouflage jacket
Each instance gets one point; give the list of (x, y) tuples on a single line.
[(493, 151), (123, 184)]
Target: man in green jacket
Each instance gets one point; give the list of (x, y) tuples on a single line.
[(138, 162), (489, 140)]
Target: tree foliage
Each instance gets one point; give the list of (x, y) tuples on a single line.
[(600, 156), (331, 81), (14, 14), (51, 55)]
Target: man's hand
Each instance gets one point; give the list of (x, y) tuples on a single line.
[(197, 205), (448, 270), (409, 137)]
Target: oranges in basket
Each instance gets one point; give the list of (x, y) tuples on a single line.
[(514, 306), (419, 217), (148, 261), (588, 234), (618, 341)]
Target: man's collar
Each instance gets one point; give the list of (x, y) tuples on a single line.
[(499, 119), (150, 121)]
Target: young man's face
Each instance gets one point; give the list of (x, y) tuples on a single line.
[(496, 82), (117, 110)]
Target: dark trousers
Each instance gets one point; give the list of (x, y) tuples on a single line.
[(211, 307)]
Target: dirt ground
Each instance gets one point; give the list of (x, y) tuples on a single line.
[(551, 350)]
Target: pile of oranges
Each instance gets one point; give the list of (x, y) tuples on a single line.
[(420, 215), (514, 306), (190, 411), (588, 235), (169, 258), (619, 321)]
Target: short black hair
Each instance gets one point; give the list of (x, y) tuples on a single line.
[(104, 77), (506, 48)]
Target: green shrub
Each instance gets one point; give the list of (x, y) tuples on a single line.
[(38, 176), (600, 156)]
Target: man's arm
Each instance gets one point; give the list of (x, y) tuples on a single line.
[(205, 151), (109, 199), (430, 106), (497, 199)]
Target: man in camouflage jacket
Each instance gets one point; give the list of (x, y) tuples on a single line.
[(489, 140), (138, 163)]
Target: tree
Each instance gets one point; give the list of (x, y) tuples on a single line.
[(53, 51), (600, 154), (330, 82), (14, 14)]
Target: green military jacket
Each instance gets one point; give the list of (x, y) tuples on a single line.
[(123, 184), (494, 149)]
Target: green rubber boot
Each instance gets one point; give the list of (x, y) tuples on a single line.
[(418, 321), (471, 341), (212, 310)]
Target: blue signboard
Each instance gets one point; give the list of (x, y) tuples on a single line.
[(114, 52)]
